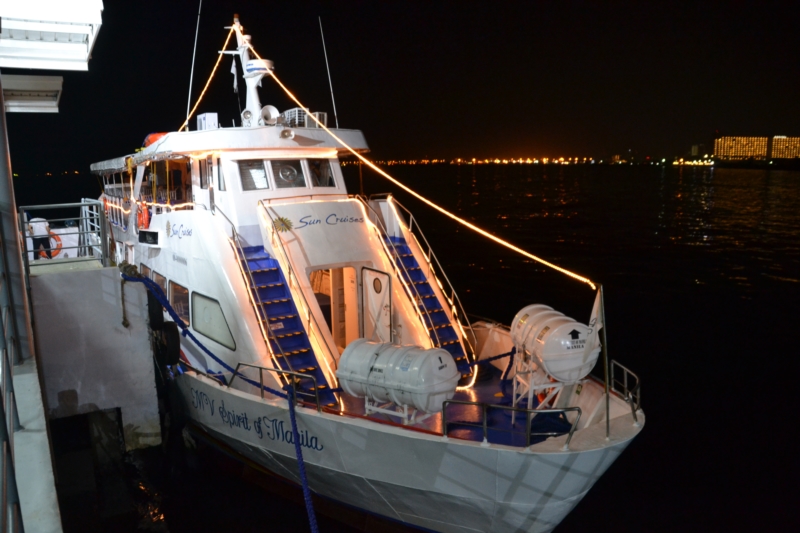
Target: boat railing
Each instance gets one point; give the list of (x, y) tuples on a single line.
[(293, 379), (91, 230), (436, 270), (529, 414), (293, 282), (628, 386), (401, 269), (258, 304)]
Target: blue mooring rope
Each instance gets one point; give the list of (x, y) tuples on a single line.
[(154, 288), (312, 517)]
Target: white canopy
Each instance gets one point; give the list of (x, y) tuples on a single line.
[(49, 34)]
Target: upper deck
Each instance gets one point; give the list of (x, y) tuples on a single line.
[(280, 141)]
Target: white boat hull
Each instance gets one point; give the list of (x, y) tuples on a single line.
[(424, 480)]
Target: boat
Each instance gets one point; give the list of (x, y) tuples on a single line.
[(313, 332)]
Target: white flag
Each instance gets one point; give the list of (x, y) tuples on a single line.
[(235, 76), (595, 324)]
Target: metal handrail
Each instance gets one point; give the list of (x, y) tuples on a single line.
[(632, 395), (398, 265), (85, 222), (291, 275), (292, 382), (259, 307), (529, 414), (453, 297), (10, 512)]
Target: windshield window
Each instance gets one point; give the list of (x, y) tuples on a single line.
[(288, 173), (321, 173), (253, 174)]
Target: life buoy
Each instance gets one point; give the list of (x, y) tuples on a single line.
[(143, 217), (153, 137), (54, 251)]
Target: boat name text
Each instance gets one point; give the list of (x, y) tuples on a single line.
[(331, 220), (263, 426)]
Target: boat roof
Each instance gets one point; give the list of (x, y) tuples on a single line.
[(279, 138)]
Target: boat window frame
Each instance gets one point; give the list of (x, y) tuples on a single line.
[(282, 183), (171, 299), (202, 172), (267, 175), (312, 176), (224, 319), (220, 175), (166, 281), (142, 268)]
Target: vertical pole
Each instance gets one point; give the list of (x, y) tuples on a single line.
[(103, 222), (16, 295), (605, 361), (330, 83), (191, 76)]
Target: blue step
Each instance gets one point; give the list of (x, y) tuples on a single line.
[(441, 331), (287, 336)]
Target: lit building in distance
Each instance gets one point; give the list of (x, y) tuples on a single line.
[(738, 148), (785, 147)]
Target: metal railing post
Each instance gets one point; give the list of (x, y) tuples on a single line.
[(104, 236), (605, 361)]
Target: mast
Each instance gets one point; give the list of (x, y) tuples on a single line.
[(254, 69)]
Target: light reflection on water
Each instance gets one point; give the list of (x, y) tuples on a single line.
[(676, 226)]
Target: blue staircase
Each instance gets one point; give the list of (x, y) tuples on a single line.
[(287, 337), (441, 331)]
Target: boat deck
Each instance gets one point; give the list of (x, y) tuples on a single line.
[(466, 421)]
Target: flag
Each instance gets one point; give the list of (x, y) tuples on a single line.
[(595, 324), (235, 76)]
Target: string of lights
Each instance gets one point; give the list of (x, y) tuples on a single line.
[(211, 77), (421, 198)]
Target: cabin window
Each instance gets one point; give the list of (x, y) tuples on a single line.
[(144, 270), (161, 281), (253, 174), (288, 174), (208, 319), (179, 299), (220, 177), (321, 173), (336, 290), (205, 174)]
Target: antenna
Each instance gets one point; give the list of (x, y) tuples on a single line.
[(335, 116), (194, 53)]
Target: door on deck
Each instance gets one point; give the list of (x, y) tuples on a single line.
[(377, 305)]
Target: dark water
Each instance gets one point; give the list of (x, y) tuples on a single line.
[(701, 270)]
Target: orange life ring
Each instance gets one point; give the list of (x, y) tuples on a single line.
[(143, 216), (53, 251)]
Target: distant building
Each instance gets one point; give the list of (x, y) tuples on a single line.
[(739, 148), (785, 147)]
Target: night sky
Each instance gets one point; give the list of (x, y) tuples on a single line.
[(441, 79)]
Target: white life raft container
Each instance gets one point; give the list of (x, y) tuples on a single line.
[(556, 342), (404, 375)]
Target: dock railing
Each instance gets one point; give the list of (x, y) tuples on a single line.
[(10, 513), (91, 228)]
